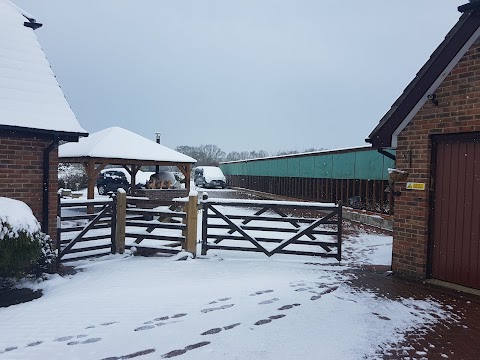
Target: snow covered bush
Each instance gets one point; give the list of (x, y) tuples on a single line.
[(23, 247), (71, 176)]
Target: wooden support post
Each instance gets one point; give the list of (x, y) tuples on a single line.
[(339, 229), (342, 190), (336, 192), (132, 170), (191, 209), (367, 194), (345, 200), (187, 176), (382, 196), (360, 192), (185, 168), (354, 191), (322, 190), (204, 224), (121, 221)]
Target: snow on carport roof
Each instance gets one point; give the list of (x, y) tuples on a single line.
[(30, 96), (119, 143)]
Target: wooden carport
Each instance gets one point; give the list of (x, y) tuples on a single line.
[(117, 146)]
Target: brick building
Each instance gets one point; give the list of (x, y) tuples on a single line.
[(435, 127), (34, 118)]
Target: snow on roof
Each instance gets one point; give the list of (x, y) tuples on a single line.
[(316, 152), (30, 96), (119, 143)]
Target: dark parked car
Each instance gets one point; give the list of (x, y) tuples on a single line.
[(111, 180)]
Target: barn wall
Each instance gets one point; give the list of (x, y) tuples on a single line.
[(326, 176), (21, 175), (458, 111)]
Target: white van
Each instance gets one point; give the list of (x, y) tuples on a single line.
[(209, 176)]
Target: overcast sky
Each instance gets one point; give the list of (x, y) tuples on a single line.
[(244, 75)]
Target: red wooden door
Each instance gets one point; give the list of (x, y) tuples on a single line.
[(455, 243)]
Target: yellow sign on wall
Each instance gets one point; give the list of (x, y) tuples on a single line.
[(415, 186)]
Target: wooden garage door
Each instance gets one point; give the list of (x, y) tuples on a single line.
[(455, 244)]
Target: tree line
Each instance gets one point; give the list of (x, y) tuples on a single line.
[(212, 155)]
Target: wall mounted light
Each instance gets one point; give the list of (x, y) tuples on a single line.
[(433, 99)]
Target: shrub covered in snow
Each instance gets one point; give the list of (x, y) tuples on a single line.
[(71, 176), (23, 247)]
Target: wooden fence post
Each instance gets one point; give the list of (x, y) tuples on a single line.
[(192, 219), (121, 219), (204, 223)]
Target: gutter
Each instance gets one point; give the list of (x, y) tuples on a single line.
[(46, 182), (387, 154)]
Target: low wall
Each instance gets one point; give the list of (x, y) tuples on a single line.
[(161, 196), (383, 222)]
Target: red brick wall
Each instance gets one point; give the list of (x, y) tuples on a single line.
[(458, 111), (21, 175)]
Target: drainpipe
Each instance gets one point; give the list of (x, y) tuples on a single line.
[(46, 182)]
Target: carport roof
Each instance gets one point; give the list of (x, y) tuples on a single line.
[(117, 143)]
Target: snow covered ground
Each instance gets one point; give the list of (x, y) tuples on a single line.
[(225, 305), (222, 306)]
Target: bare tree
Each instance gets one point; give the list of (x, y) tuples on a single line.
[(204, 154)]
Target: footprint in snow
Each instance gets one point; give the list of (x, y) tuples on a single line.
[(10, 348), (287, 307), (381, 316), (217, 330), (212, 331), (217, 308), (88, 341), (184, 350), (341, 298), (166, 323), (36, 343), (131, 356), (261, 292), (109, 323), (176, 316), (64, 338), (326, 291), (145, 327), (221, 299), (269, 320), (268, 301)]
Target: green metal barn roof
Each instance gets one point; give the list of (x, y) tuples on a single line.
[(354, 163)]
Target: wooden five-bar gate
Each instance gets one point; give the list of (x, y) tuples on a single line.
[(272, 227), (92, 228)]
